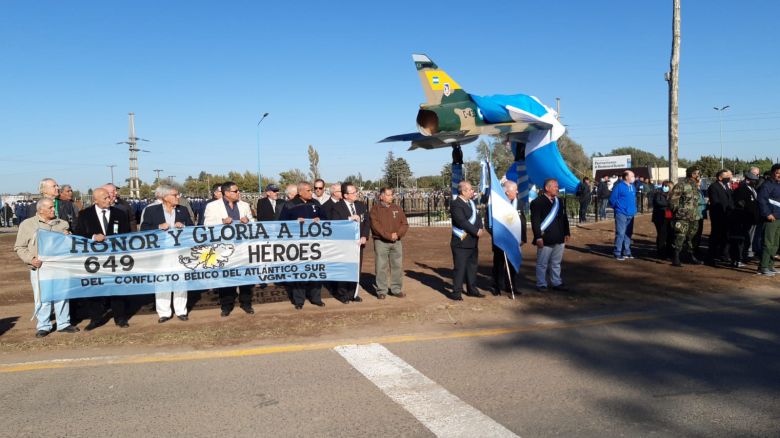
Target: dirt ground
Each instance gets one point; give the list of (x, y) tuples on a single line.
[(597, 282)]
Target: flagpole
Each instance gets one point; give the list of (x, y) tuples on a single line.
[(509, 277)]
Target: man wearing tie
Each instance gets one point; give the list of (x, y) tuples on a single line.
[(96, 222), (268, 208), (165, 216), (466, 229), (349, 208), (721, 204)]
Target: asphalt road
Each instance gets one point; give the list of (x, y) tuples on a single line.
[(702, 374)]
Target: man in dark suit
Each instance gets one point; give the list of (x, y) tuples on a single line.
[(268, 208), (466, 229), (96, 222), (335, 197), (551, 234), (500, 265), (121, 204), (349, 208), (721, 204), (164, 216)]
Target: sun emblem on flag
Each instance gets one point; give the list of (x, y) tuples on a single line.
[(509, 218), (211, 256)]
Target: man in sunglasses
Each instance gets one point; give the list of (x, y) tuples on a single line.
[(231, 209), (319, 191)]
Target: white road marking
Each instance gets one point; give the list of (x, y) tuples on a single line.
[(441, 412)]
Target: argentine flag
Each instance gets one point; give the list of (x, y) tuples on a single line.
[(507, 228)]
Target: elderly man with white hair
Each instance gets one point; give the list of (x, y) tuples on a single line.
[(26, 248), (166, 215), (504, 274)]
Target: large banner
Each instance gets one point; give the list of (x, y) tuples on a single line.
[(196, 258)]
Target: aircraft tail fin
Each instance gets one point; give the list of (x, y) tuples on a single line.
[(437, 84)]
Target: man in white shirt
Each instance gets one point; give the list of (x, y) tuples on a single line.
[(231, 209)]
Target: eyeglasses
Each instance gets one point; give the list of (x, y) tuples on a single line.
[(319, 188), (233, 191), (351, 193)]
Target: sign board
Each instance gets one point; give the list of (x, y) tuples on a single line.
[(613, 162)]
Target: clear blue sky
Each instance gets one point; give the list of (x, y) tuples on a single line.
[(339, 76)]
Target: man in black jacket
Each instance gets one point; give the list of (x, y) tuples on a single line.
[(721, 204), (335, 197), (551, 233), (602, 192), (164, 216), (268, 208), (303, 206), (466, 229), (500, 265), (96, 222), (349, 208), (583, 195), (743, 219)]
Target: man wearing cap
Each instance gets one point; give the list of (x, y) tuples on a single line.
[(268, 208), (686, 215)]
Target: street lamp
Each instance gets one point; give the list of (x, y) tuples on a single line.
[(111, 166), (720, 117), (259, 179)]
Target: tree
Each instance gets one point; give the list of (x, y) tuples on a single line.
[(291, 176), (501, 156), (434, 182), (396, 171), (574, 155), (640, 158), (314, 163)]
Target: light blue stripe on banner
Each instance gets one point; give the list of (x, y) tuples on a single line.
[(57, 244), (140, 284)]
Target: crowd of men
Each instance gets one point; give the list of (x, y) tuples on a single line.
[(109, 215), (743, 226), (742, 215)]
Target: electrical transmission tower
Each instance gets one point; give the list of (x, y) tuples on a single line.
[(132, 142)]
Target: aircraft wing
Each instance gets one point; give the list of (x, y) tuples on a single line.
[(440, 140)]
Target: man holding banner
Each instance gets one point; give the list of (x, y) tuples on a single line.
[(466, 229), (551, 233), (26, 248), (166, 216), (97, 222), (230, 209)]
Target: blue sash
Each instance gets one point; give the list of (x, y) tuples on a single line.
[(551, 215), (461, 234)]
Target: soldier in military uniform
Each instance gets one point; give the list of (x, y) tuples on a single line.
[(684, 204)]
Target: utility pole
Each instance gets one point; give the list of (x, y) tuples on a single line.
[(158, 173), (558, 108), (111, 166), (132, 142), (720, 119), (170, 178), (673, 77), (259, 178)]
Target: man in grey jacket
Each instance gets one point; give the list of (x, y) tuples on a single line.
[(26, 248)]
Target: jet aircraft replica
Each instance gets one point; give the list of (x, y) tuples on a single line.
[(451, 117)]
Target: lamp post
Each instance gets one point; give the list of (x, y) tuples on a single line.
[(111, 166), (259, 179), (720, 118)]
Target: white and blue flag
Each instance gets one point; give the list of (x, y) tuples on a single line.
[(507, 227)]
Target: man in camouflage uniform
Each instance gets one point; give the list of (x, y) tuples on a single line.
[(684, 204)]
